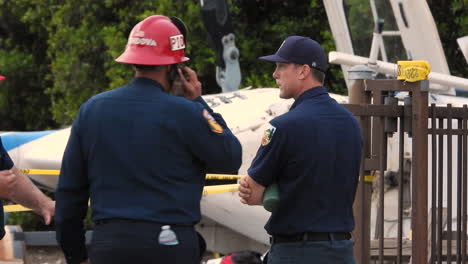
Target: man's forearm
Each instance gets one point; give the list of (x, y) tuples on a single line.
[(26, 193)]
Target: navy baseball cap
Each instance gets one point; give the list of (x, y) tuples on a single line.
[(300, 50)]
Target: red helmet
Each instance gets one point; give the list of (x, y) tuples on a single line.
[(154, 41)]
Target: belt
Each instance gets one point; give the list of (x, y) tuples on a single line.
[(136, 221), (310, 236)]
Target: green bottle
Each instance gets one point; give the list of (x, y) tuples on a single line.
[(271, 197)]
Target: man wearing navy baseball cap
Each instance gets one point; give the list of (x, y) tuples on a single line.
[(295, 53), (312, 153)]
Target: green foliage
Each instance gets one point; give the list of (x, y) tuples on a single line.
[(23, 42), (361, 25), (452, 23), (32, 222), (27, 220), (261, 27), (87, 38)]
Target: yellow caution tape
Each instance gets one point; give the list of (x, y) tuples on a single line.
[(207, 190), (42, 172), (18, 208), (222, 177), (220, 189), (368, 178), (57, 172), (15, 208), (412, 71)]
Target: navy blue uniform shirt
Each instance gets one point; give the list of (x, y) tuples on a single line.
[(5, 164), (313, 152), (138, 153)]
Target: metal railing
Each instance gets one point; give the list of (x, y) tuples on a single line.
[(381, 117), (448, 128)]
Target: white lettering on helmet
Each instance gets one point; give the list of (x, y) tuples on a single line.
[(142, 41), (177, 42), (139, 34)]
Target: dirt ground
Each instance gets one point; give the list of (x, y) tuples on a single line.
[(44, 255)]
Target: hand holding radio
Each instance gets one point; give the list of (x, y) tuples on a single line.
[(191, 84)]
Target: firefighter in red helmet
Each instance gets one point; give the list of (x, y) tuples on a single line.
[(140, 154)]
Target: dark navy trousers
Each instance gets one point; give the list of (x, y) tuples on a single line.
[(317, 252), (129, 243)]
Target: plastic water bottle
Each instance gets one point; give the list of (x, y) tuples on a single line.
[(167, 236)]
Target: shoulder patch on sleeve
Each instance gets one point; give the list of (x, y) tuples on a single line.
[(268, 135), (214, 126)]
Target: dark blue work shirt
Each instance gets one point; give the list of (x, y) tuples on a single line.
[(139, 153), (5, 164), (313, 152)]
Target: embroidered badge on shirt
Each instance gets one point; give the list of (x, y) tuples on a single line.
[(214, 126), (268, 135)]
